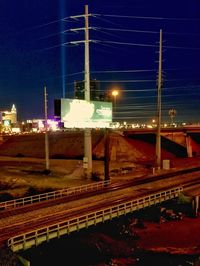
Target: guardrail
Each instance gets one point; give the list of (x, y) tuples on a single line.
[(36, 237), (52, 195)]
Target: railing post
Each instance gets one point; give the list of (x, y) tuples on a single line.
[(24, 261), (77, 224), (58, 232), (47, 234), (24, 242)]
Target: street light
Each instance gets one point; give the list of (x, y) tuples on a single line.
[(115, 93)]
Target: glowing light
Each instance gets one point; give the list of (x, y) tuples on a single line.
[(53, 125), (40, 124), (16, 130), (115, 93)]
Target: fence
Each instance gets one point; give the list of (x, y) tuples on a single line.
[(52, 195), (36, 237)]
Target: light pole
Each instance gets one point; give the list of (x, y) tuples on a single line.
[(115, 93)]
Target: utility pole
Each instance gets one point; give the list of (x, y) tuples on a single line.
[(87, 131), (158, 137), (107, 155), (46, 133)]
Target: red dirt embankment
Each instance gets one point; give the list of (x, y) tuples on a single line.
[(174, 237), (70, 145)]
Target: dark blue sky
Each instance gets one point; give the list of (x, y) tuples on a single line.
[(127, 32)]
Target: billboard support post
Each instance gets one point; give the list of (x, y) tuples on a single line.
[(107, 155)]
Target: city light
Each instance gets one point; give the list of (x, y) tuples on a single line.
[(115, 93)]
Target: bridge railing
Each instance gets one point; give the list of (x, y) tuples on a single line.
[(5, 205), (36, 237)]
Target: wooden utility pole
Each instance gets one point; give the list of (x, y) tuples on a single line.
[(46, 131), (158, 137)]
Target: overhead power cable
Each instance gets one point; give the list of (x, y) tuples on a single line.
[(130, 81), (148, 45), (164, 89), (127, 30), (127, 43), (144, 31), (181, 47), (124, 71), (143, 17), (66, 19)]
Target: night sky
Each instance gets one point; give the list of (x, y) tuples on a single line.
[(34, 52)]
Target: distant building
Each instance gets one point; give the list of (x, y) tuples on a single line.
[(9, 117), (95, 92)]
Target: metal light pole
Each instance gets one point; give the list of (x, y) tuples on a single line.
[(87, 131), (158, 137), (115, 94)]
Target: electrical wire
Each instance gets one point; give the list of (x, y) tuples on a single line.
[(129, 30), (148, 18), (130, 81), (128, 43), (124, 71)]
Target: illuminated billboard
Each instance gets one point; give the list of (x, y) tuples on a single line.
[(81, 113)]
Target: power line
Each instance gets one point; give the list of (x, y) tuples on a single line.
[(146, 31), (127, 43), (124, 71), (181, 47), (130, 81), (184, 87), (148, 45), (66, 19), (129, 30), (143, 17)]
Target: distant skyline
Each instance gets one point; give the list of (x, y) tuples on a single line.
[(123, 53)]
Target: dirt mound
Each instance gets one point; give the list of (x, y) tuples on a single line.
[(120, 149), (70, 145), (62, 145)]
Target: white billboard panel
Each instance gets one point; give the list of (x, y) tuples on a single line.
[(81, 113)]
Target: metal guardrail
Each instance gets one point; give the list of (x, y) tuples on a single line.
[(52, 195), (38, 236)]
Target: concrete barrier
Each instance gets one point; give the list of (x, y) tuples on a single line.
[(166, 164)]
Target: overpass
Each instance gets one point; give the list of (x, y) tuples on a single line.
[(182, 141)]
